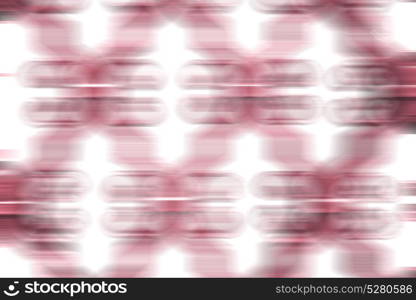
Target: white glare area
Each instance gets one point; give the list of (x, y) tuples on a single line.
[(172, 263), (95, 24), (404, 158), (403, 24), (172, 54), (322, 52), (247, 24), (96, 166), (13, 264)]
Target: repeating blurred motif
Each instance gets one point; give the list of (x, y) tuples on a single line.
[(343, 202)]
